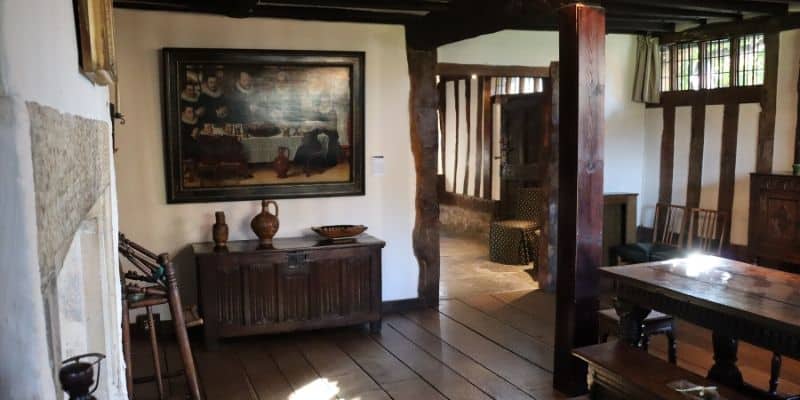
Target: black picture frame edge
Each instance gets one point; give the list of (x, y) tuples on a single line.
[(173, 171)]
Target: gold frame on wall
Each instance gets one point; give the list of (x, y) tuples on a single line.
[(95, 29)]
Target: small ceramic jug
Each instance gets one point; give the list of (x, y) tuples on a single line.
[(220, 230), (265, 225)]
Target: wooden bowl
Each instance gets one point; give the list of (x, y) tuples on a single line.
[(339, 231)]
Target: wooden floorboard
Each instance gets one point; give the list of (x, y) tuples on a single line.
[(223, 376), (538, 328), (520, 343), (400, 382), (266, 379), (333, 364), (446, 381), (486, 380), (503, 362)]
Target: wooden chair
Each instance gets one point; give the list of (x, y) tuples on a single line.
[(516, 241), (707, 232), (669, 228), (153, 283)]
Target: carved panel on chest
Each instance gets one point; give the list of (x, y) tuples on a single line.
[(246, 290), (774, 223)]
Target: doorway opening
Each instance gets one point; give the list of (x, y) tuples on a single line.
[(494, 125)]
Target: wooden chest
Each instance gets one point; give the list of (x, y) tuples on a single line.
[(297, 284), (774, 224)]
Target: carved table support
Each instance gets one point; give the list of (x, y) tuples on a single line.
[(724, 369), (631, 319)]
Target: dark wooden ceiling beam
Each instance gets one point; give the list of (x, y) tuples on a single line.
[(333, 14), (410, 5), (729, 6), (664, 13)]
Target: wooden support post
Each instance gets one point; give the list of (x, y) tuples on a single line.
[(422, 103), (442, 87), (766, 119), (478, 138), (488, 136), (727, 165), (797, 128), (667, 155), (697, 141), (580, 200), (468, 114), (546, 273)]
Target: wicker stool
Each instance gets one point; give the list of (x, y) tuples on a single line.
[(513, 242)]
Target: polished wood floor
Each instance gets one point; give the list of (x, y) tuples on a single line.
[(477, 345)]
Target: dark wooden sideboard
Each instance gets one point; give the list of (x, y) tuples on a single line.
[(774, 223), (296, 284)]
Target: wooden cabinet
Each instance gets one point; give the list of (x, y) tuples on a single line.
[(297, 284), (774, 224)]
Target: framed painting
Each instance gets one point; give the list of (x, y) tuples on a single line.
[(255, 124), (95, 30)]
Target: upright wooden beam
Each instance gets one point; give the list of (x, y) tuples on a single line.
[(580, 200), (696, 144), (422, 105), (667, 155), (478, 138), (456, 96), (547, 271), (468, 112), (488, 137), (797, 128), (727, 166), (766, 119)]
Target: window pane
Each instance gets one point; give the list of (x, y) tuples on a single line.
[(688, 62), (665, 69), (750, 69), (717, 63)]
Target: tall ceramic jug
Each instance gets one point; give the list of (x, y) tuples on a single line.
[(265, 225)]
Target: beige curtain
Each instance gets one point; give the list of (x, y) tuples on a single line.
[(647, 80)]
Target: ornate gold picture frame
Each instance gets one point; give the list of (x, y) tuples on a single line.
[(95, 29)]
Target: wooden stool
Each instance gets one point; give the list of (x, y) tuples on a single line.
[(655, 323), (160, 287)]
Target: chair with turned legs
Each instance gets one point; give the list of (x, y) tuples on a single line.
[(152, 282)]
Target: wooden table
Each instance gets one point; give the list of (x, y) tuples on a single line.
[(736, 301)]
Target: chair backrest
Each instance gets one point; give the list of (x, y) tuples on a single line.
[(669, 224), (707, 230), (530, 204)]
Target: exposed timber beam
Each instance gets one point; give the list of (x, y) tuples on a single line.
[(580, 199), (733, 7)]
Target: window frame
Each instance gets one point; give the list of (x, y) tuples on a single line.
[(702, 44)]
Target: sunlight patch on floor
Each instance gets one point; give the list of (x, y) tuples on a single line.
[(319, 389)]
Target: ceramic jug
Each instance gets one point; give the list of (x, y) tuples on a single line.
[(265, 225), (219, 232)]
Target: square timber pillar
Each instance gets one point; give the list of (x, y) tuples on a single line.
[(580, 201)]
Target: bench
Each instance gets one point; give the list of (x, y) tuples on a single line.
[(618, 371)]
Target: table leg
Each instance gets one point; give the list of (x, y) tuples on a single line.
[(631, 317), (724, 369)]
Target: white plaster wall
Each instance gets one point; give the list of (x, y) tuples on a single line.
[(38, 62), (654, 126), (783, 155), (625, 120), (712, 149), (387, 208)]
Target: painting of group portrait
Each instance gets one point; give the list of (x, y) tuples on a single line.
[(249, 124)]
